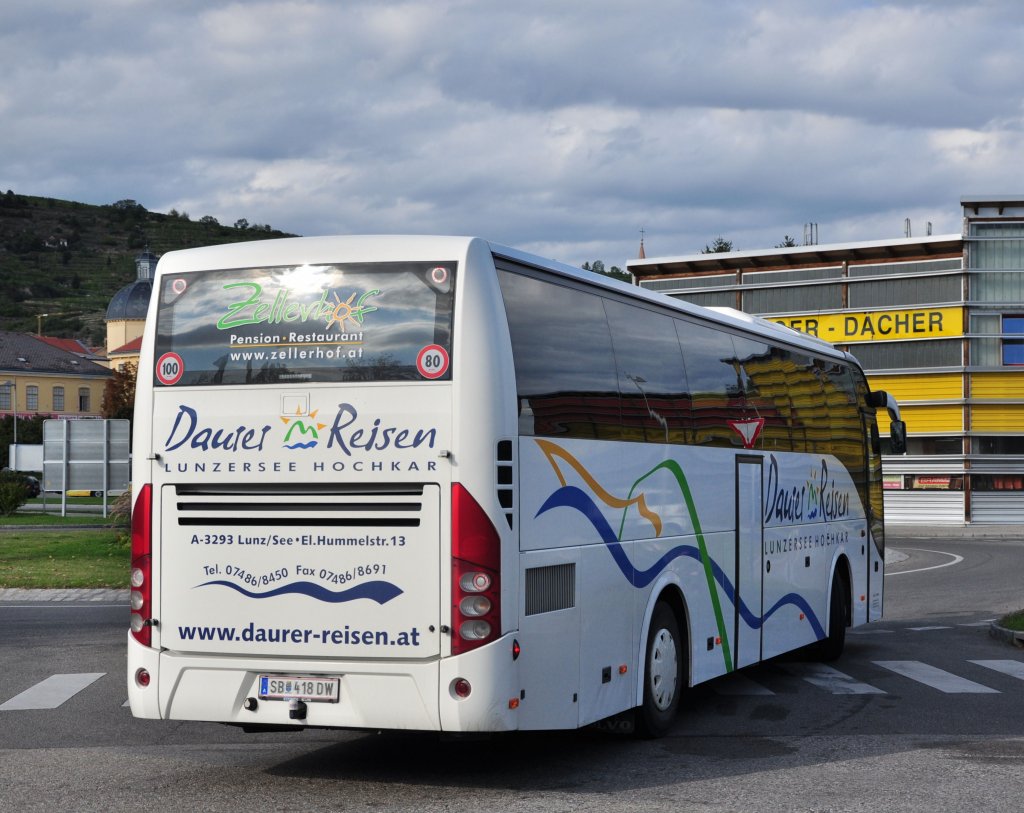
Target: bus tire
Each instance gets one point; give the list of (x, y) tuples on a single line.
[(831, 646), (663, 674)]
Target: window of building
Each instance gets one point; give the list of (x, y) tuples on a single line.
[(930, 446), (32, 398), (84, 400), (793, 299), (997, 482), (1003, 349), (58, 399), (999, 444), (937, 482), (997, 287), (712, 299), (895, 293), (5, 398), (985, 352), (1001, 245), (912, 355), (1013, 349)]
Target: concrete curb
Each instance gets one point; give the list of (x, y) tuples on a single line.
[(56, 527), (1009, 636), (96, 596), (894, 532)]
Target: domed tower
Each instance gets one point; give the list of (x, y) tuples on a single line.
[(126, 314)]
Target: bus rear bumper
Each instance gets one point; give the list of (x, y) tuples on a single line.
[(379, 695)]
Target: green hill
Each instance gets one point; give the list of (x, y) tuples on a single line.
[(68, 259)]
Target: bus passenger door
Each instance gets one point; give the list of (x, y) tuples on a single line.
[(749, 560)]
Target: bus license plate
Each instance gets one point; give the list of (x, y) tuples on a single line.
[(288, 687)]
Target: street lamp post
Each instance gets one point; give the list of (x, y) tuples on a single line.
[(12, 385)]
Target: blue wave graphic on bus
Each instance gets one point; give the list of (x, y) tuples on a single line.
[(573, 497), (380, 591), (309, 445)]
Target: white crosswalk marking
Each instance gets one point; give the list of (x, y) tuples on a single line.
[(58, 689), (936, 678), (739, 685), (1011, 668), (829, 679), (52, 692)]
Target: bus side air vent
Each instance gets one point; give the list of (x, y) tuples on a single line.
[(550, 588), (506, 495), (313, 505)]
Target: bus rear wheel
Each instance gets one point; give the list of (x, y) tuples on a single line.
[(663, 672)]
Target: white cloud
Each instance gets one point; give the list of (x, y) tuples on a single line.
[(563, 128)]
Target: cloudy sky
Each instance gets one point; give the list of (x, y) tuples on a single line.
[(558, 127)]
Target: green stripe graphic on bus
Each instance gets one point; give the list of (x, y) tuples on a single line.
[(569, 496)]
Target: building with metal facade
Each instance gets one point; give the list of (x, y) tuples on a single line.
[(936, 321)]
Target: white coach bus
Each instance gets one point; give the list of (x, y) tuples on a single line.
[(434, 483)]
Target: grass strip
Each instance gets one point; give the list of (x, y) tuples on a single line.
[(64, 559), (1013, 621), (56, 520)]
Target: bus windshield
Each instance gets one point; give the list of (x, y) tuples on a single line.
[(328, 323)]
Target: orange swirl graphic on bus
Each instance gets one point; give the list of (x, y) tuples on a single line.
[(553, 451)]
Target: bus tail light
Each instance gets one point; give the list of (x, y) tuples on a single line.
[(142, 567), (476, 574)]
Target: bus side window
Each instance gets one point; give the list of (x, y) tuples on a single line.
[(709, 355), (565, 369), (652, 380)]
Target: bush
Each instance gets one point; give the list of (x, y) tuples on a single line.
[(13, 492), (121, 510)]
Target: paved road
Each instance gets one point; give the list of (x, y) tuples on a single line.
[(923, 712)]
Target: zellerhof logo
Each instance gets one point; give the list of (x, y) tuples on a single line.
[(303, 431), (281, 308)]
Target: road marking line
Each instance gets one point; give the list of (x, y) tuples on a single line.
[(52, 692), (955, 561), (1011, 668), (927, 629), (739, 685), (829, 679), (984, 623), (936, 678)]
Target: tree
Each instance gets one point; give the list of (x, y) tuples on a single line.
[(718, 246), (787, 242), (30, 431), (614, 272), (241, 223), (119, 393), (128, 205)]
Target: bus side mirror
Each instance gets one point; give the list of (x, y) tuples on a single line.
[(879, 399), (898, 436)]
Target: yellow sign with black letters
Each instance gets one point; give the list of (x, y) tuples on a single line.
[(879, 326)]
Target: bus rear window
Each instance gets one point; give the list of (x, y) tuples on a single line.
[(329, 323)]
